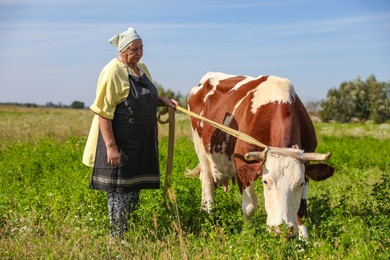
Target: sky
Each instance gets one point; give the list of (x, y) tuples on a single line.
[(54, 50)]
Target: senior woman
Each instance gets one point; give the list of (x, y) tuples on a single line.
[(122, 143)]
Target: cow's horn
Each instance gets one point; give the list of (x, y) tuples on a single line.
[(316, 156), (255, 156)]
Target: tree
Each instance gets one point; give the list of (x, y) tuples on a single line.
[(365, 100), (77, 105), (335, 107), (379, 103)]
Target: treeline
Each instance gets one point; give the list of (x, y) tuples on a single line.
[(357, 100), (171, 94), (75, 104)]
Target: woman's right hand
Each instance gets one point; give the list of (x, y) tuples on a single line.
[(113, 156)]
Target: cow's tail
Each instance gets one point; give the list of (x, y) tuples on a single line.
[(193, 173)]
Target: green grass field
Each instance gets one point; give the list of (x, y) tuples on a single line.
[(47, 210)]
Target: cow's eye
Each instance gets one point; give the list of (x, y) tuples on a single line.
[(265, 182), (303, 183)]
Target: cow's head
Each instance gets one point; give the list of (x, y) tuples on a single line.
[(284, 176)]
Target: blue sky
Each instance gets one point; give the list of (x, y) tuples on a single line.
[(53, 51)]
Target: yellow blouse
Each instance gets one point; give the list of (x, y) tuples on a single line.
[(112, 88)]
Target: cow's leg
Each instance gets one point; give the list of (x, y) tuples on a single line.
[(205, 176), (303, 231), (302, 212), (249, 201), (208, 187)]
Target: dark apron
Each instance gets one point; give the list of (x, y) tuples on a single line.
[(135, 131)]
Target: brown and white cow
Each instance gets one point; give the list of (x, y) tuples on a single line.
[(268, 109)]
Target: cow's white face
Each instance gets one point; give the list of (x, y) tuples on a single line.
[(283, 183)]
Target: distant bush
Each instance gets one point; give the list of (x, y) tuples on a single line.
[(364, 100), (77, 104)]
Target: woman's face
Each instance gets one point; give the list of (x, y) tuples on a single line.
[(133, 53)]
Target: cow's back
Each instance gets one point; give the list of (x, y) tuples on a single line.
[(266, 108)]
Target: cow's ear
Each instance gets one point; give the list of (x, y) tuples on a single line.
[(319, 171), (249, 172)]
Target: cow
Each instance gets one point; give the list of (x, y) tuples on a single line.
[(267, 109)]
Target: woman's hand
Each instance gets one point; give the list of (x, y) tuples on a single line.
[(113, 156), (164, 101)]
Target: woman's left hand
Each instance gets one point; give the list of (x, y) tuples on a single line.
[(164, 101)]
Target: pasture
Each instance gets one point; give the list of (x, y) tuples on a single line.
[(48, 211)]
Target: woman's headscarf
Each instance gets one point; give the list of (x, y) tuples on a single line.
[(122, 40)]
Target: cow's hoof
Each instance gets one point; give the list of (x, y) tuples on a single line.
[(303, 232)]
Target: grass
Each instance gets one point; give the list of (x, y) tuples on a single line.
[(47, 210)]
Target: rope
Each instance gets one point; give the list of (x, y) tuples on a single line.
[(242, 136), (171, 142), (231, 131)]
